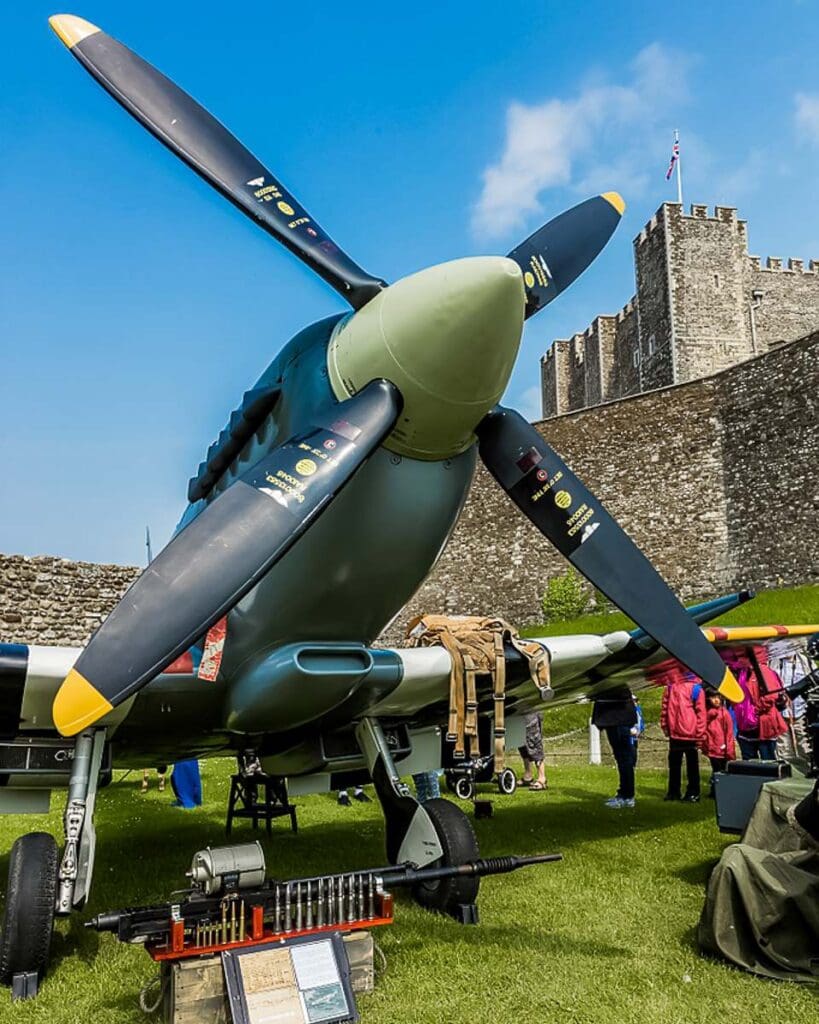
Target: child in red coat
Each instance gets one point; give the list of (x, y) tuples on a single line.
[(718, 744), (682, 719)]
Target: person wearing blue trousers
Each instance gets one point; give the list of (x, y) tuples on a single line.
[(186, 783)]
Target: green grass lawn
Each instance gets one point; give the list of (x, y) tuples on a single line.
[(791, 606), (606, 936)]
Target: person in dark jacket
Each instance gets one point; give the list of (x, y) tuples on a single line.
[(615, 714), (683, 720)]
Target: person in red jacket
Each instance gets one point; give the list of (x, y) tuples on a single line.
[(718, 744), (682, 719), (759, 722), (772, 698)]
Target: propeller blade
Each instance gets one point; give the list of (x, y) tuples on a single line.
[(561, 250), (212, 563), (566, 513), (188, 130)]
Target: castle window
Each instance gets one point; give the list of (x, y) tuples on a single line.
[(635, 358), (716, 281), (652, 345)]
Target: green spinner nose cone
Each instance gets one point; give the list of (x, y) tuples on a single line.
[(447, 337)]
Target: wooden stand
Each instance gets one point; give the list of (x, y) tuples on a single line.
[(194, 989), (259, 797)]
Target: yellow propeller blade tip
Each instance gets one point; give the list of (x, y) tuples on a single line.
[(71, 29), (78, 704), (616, 201), (730, 688)]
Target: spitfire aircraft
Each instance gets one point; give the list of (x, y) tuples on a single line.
[(315, 516)]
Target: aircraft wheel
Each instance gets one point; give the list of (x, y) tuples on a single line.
[(507, 781), (28, 920), (459, 844), (451, 779), (464, 788)]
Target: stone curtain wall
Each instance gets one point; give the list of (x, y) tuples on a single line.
[(770, 418), (48, 600), (647, 457), (717, 480)]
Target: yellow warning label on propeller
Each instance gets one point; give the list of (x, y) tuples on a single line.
[(306, 467), (286, 208)]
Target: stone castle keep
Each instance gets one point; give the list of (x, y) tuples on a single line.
[(702, 305)]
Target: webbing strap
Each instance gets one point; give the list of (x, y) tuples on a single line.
[(499, 695), (471, 716), (456, 724)]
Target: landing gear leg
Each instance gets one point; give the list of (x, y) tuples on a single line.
[(38, 888), (77, 863), (432, 833)]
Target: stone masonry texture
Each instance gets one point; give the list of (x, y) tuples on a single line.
[(45, 600)]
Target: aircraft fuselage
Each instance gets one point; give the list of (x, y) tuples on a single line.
[(343, 581)]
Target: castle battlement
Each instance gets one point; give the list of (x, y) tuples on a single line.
[(702, 305), (794, 266), (627, 310), (697, 212)]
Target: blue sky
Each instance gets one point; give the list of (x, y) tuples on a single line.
[(136, 305)]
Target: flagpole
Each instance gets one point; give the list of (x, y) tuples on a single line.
[(679, 168)]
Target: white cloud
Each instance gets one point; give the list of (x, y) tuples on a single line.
[(807, 116), (595, 140)]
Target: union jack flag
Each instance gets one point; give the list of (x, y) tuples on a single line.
[(675, 156)]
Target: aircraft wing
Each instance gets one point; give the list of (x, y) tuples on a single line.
[(582, 666), (723, 636), (425, 674)]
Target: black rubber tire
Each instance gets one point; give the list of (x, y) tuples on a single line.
[(28, 917), (507, 782), (464, 788), (459, 844)]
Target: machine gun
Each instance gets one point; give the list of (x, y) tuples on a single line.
[(230, 904)]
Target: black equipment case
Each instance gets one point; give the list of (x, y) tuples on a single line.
[(737, 788)]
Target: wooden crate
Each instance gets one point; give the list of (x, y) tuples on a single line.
[(195, 989), (359, 948), (195, 992)]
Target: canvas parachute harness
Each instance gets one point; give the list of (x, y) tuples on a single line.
[(475, 645)]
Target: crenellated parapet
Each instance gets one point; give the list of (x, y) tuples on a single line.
[(791, 265)]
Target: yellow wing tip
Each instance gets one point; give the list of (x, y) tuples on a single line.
[(616, 201), (78, 704), (71, 29), (730, 688)]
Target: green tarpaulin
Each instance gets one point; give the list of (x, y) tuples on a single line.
[(762, 907)]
